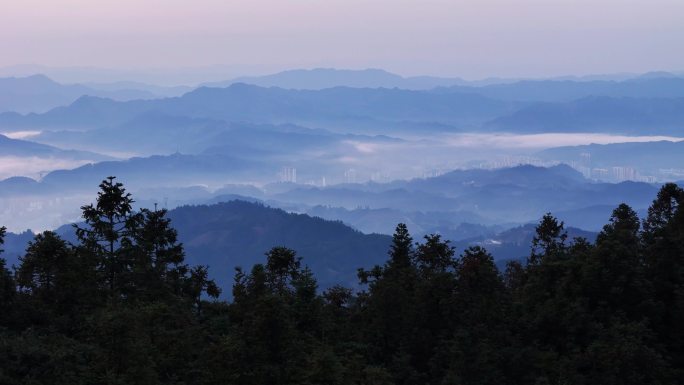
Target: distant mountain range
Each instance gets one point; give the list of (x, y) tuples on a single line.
[(241, 102), (163, 134), (38, 94), (560, 88), (312, 129), (24, 148), (630, 116), (662, 86), (636, 107), (26, 158), (440, 204), (321, 78), (518, 194), (172, 170), (158, 91), (646, 157)]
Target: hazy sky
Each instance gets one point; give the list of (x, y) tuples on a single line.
[(466, 38)]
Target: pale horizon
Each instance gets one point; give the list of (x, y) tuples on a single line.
[(466, 39)]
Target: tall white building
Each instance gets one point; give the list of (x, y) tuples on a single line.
[(350, 176), (288, 174)]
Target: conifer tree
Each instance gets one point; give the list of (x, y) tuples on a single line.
[(158, 267), (44, 265), (549, 239), (110, 224)]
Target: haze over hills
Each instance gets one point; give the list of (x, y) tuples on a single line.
[(157, 76), (163, 134), (269, 192), (642, 106), (38, 93), (518, 194), (157, 90), (447, 204), (557, 88), (25, 148), (628, 116), (655, 86), (649, 157), (26, 158), (321, 78), (327, 132), (241, 102)]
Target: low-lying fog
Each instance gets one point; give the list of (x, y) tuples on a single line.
[(348, 161), (411, 156)]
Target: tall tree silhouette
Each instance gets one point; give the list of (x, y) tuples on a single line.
[(109, 227)]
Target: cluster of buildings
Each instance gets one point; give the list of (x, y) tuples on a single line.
[(288, 175), (514, 161), (610, 174), (583, 164)]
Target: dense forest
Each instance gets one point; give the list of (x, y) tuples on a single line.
[(120, 306)]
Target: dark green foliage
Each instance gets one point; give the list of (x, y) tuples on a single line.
[(7, 287), (107, 236), (663, 239), (122, 307), (549, 242)]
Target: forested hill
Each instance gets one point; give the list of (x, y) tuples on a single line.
[(237, 233), (122, 306)]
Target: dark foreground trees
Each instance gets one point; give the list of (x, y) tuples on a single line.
[(121, 307)]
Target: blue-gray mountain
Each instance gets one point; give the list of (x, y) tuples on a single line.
[(459, 204), (646, 106), (645, 156), (629, 116), (241, 102), (38, 93), (25, 148)]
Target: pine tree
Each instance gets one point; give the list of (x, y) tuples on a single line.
[(157, 263), (47, 260), (617, 275), (549, 240), (107, 235)]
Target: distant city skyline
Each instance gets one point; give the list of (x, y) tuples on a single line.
[(468, 39)]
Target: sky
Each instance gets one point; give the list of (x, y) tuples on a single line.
[(471, 39)]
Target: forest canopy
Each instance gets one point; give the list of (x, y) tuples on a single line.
[(121, 306)]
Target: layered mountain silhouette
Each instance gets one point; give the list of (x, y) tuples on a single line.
[(638, 106), (38, 93), (320, 78), (646, 156), (242, 102), (25, 148), (624, 115)]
